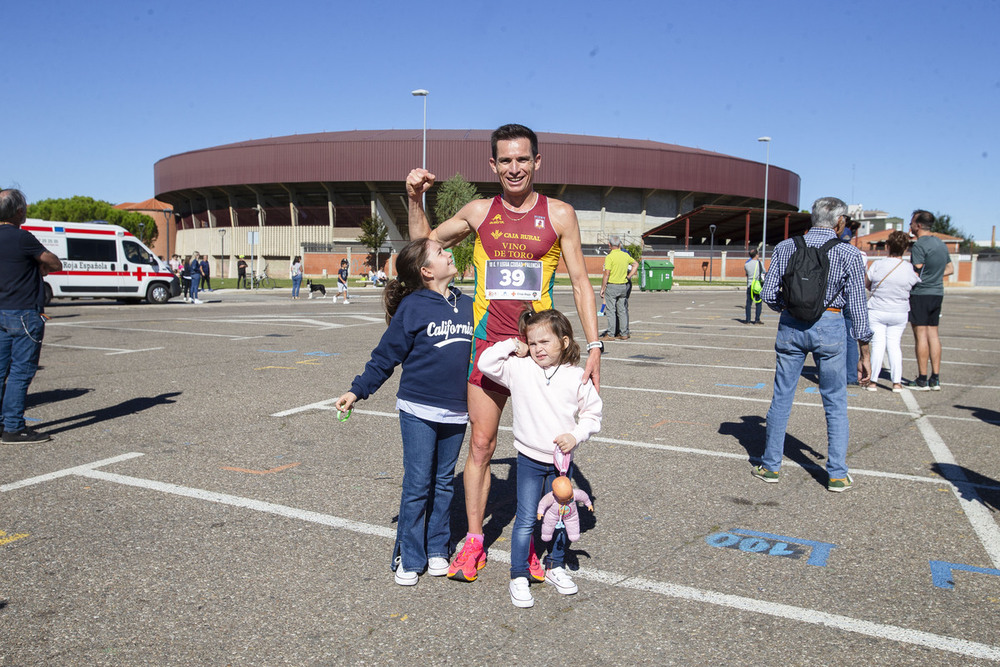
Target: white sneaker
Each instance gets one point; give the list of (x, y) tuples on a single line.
[(520, 593), (437, 566), (871, 387), (198, 301), (346, 302), (558, 577), (404, 578)]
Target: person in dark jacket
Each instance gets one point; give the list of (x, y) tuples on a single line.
[(430, 334), (194, 273), (206, 275), (23, 262)]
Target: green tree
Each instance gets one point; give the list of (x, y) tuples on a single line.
[(634, 251), (87, 209), (455, 193), (374, 232), (942, 225)]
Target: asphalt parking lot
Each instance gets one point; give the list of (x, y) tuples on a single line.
[(200, 503)]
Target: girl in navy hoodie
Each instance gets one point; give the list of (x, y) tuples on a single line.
[(430, 334)]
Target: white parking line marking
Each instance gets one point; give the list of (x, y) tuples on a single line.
[(166, 331), (769, 350), (613, 579), (329, 405), (111, 351), (968, 499), (769, 371), (68, 471)]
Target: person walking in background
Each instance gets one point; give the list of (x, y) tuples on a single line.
[(847, 235), (342, 282), (754, 269), (206, 274), (23, 262), (619, 267), (890, 280), (194, 274), (241, 272), (430, 334), (824, 338), (185, 276), (295, 272), (930, 258)]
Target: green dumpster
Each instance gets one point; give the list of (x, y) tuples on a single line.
[(656, 275)]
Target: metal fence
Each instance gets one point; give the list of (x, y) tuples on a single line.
[(987, 271)]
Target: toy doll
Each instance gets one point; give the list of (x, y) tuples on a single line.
[(558, 508)]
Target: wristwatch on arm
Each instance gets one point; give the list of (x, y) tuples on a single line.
[(596, 344)]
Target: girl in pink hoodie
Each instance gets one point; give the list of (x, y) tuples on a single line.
[(553, 408)]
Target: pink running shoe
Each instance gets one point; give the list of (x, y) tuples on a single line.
[(535, 567), (468, 562)]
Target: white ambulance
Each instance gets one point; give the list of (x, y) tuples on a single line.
[(102, 261)]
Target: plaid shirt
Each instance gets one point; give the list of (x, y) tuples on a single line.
[(845, 285)]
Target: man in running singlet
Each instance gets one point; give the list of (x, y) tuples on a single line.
[(520, 236)]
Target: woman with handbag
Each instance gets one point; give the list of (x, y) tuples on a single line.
[(890, 280)]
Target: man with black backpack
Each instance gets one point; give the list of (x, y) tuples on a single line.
[(811, 280)]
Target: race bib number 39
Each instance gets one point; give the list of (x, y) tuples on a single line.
[(513, 279)]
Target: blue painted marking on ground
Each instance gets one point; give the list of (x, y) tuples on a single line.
[(759, 385), (322, 354), (754, 545), (941, 572), (820, 550)]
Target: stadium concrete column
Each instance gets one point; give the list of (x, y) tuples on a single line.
[(646, 194), (331, 210), (209, 205), (293, 213), (604, 197)]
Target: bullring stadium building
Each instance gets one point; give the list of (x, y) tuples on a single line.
[(307, 194)]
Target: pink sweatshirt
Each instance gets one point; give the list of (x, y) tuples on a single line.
[(543, 411)]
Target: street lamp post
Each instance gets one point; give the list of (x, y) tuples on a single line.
[(711, 253), (767, 164), (222, 253), (420, 92)]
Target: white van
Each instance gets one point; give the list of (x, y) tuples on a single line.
[(104, 261)]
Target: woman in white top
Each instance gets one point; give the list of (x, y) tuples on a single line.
[(295, 273), (889, 280)]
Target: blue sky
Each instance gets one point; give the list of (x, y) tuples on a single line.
[(893, 105)]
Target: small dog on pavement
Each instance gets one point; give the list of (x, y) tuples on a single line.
[(315, 287)]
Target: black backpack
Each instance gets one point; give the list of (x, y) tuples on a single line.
[(804, 282)]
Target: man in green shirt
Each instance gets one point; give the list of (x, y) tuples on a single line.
[(929, 256), (619, 268)]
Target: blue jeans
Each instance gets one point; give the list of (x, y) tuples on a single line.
[(749, 303), (195, 279), (296, 283), (423, 530), (825, 340), (852, 352), (21, 333), (534, 479)]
